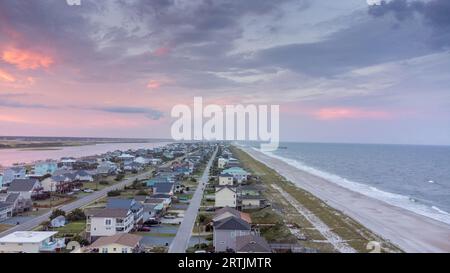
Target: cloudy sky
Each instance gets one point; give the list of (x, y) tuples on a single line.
[(342, 71)]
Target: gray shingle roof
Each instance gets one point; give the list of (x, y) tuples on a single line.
[(164, 187), (252, 244), (232, 223), (22, 185), (109, 212)]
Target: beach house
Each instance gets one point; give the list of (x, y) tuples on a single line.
[(226, 196), (13, 173), (109, 222), (119, 243), (226, 180), (18, 204), (27, 188), (226, 232), (135, 207), (45, 168), (6, 211), (31, 242), (222, 163), (239, 174)]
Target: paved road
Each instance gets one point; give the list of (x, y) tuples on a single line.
[(181, 241)]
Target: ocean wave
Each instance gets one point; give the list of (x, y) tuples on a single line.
[(399, 200)]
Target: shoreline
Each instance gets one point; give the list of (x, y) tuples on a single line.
[(409, 231)]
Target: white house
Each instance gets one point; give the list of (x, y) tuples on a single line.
[(27, 188), (222, 163), (31, 242), (6, 211), (109, 222), (226, 180), (226, 197), (142, 160)]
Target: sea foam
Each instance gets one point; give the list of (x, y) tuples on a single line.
[(394, 199)]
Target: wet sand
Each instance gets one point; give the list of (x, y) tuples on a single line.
[(409, 231)]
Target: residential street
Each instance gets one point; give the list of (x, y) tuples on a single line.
[(181, 240), (31, 224)]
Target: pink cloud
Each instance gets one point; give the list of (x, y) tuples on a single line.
[(162, 51), (6, 77), (337, 113), (26, 59), (154, 84)]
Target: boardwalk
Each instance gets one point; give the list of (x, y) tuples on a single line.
[(181, 240)]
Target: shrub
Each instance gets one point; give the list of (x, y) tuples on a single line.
[(104, 183), (57, 213), (114, 193), (76, 215), (119, 177)]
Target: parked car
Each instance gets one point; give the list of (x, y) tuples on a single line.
[(88, 191), (144, 229), (152, 222)]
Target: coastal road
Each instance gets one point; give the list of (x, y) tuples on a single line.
[(181, 241), (33, 223)]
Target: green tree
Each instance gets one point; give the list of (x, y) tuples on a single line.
[(57, 213), (76, 215)]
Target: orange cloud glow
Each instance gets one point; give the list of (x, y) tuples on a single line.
[(349, 113), (154, 84), (6, 77), (25, 60)]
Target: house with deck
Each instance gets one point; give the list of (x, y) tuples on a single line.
[(6, 211), (27, 188), (239, 174), (131, 204), (109, 222), (31, 242), (18, 204), (13, 173)]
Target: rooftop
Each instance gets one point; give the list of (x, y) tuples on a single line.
[(27, 237), (124, 239)]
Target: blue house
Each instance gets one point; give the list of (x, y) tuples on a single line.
[(13, 173), (45, 168), (238, 173)]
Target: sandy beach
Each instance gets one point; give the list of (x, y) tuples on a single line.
[(409, 231)]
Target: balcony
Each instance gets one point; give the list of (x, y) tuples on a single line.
[(53, 245)]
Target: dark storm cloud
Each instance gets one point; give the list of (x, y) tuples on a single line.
[(358, 46), (436, 13)]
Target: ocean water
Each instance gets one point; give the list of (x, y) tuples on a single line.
[(8, 157), (415, 178)]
